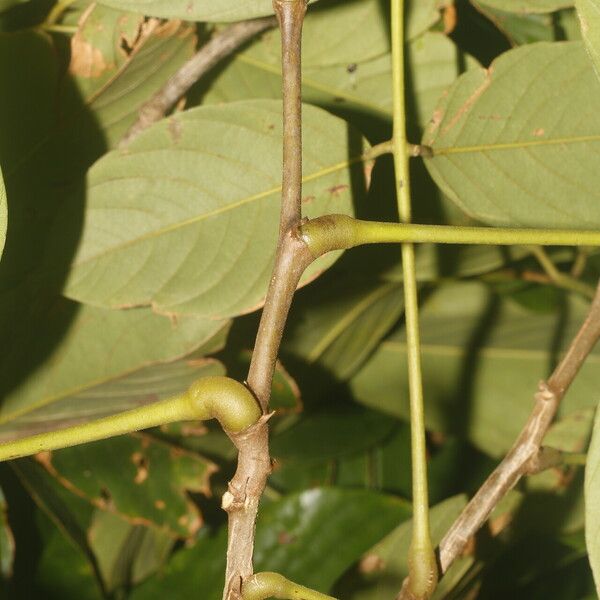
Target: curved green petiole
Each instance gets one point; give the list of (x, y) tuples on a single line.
[(341, 232), (261, 586), (221, 398)]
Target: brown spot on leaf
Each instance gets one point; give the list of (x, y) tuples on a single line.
[(160, 504), (449, 18), (336, 190), (194, 429), (86, 60), (436, 119), (371, 563), (308, 199), (45, 459), (470, 101), (105, 499), (539, 132), (142, 466), (284, 538), (174, 128)]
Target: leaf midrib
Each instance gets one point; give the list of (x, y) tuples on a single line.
[(581, 139)]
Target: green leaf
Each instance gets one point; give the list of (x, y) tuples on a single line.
[(217, 11), (422, 14), (6, 4), (592, 501), (60, 119), (390, 556), (342, 79), (527, 6), (143, 386), (119, 59), (186, 217), (527, 28), (72, 516), (3, 214), (332, 433), (588, 12), (482, 359), (62, 571), (97, 346), (127, 553), (512, 148), (297, 536), (7, 541), (338, 322), (137, 491), (198, 572), (119, 553)]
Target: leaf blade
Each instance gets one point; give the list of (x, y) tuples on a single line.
[(510, 148), (171, 223), (592, 501)]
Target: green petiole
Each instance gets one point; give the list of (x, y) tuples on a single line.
[(422, 576), (221, 398), (340, 232), (261, 586)]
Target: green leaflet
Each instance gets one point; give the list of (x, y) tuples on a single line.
[(296, 536), (527, 6), (513, 148), (592, 501), (346, 77), (482, 359), (95, 346), (185, 218), (118, 393), (6, 4), (391, 554), (217, 11), (340, 320), (422, 13), (149, 486), (588, 12)]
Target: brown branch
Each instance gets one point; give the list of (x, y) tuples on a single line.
[(218, 48), (290, 15), (523, 456), (292, 257)]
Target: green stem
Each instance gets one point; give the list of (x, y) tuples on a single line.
[(57, 10), (422, 577), (221, 398), (561, 279), (273, 585), (339, 232), (68, 29)]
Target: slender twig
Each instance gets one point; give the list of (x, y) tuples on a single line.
[(290, 15), (422, 576), (579, 262), (560, 279), (214, 51), (292, 257), (523, 456)]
